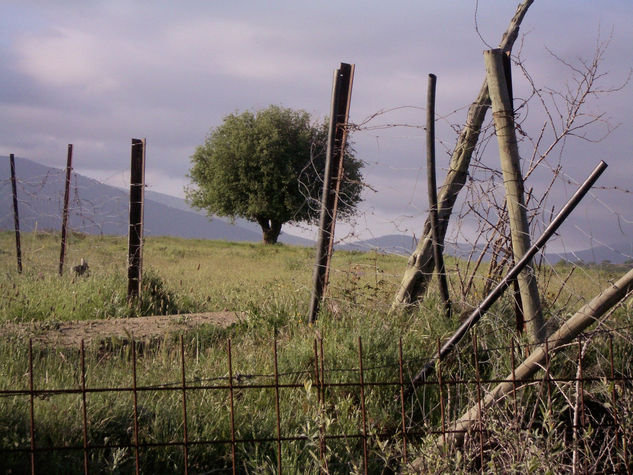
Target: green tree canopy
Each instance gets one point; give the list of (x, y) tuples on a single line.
[(268, 167)]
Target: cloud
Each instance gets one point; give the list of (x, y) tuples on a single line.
[(65, 58), (235, 48), (97, 73)]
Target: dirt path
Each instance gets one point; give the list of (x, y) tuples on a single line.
[(140, 328)]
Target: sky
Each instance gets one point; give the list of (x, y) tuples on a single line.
[(97, 73)]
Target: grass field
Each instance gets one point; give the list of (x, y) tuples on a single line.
[(271, 285)]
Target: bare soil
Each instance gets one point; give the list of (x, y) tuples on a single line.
[(139, 328)]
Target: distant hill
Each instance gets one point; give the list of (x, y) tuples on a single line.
[(96, 208), (617, 253), (102, 209), (403, 245), (389, 244)]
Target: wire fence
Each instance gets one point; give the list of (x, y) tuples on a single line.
[(587, 399)]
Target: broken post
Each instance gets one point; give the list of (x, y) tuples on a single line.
[(135, 234), (420, 265), (494, 295), (341, 96), (16, 217), (69, 164), (432, 192), (582, 319), (503, 117)]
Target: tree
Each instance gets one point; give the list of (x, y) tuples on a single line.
[(267, 167)]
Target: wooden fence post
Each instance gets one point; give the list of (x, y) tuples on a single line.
[(420, 265), (135, 235), (581, 320), (69, 165), (341, 97), (16, 217), (432, 191), (503, 117)]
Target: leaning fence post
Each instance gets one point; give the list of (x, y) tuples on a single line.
[(16, 217), (503, 116), (135, 235), (492, 297), (69, 165), (566, 333), (341, 95)]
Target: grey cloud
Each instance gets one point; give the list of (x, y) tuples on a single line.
[(157, 71)]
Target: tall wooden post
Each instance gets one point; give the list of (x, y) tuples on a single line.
[(338, 170), (432, 191), (341, 97), (494, 295), (420, 265), (135, 235), (16, 217), (503, 116), (69, 165)]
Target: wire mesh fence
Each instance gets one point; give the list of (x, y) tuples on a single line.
[(581, 404)]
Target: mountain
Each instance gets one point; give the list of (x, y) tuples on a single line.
[(399, 244), (403, 245), (96, 208), (616, 253)]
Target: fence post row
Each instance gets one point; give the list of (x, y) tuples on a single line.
[(69, 165), (135, 236), (16, 217), (341, 97)]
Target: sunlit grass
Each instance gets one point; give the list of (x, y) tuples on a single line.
[(271, 285)]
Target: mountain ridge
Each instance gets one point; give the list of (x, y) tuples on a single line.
[(96, 208)]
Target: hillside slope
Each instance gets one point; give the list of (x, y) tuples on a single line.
[(96, 208)]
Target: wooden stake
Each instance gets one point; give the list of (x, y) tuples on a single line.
[(341, 96), (16, 217), (69, 165), (432, 191), (503, 116), (135, 235)]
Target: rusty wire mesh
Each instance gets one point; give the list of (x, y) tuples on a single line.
[(573, 379)]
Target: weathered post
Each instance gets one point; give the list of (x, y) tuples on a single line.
[(580, 321), (135, 235), (69, 164), (16, 217), (341, 96), (339, 152), (432, 191), (503, 117), (420, 265), (494, 295)]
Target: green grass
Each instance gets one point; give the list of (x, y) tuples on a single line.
[(271, 284)]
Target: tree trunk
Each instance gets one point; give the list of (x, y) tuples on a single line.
[(421, 264), (270, 229)]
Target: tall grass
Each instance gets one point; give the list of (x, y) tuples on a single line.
[(271, 285)]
